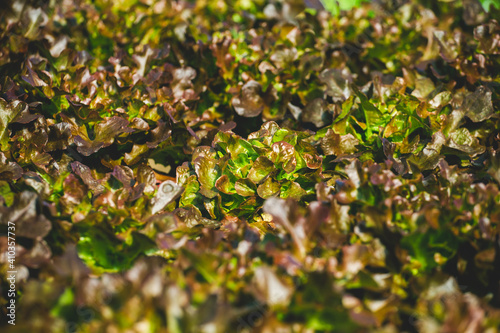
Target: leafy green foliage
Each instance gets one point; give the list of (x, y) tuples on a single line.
[(237, 171), (219, 166)]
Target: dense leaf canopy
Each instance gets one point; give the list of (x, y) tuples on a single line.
[(251, 166)]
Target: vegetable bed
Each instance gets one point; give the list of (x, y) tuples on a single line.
[(250, 166)]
